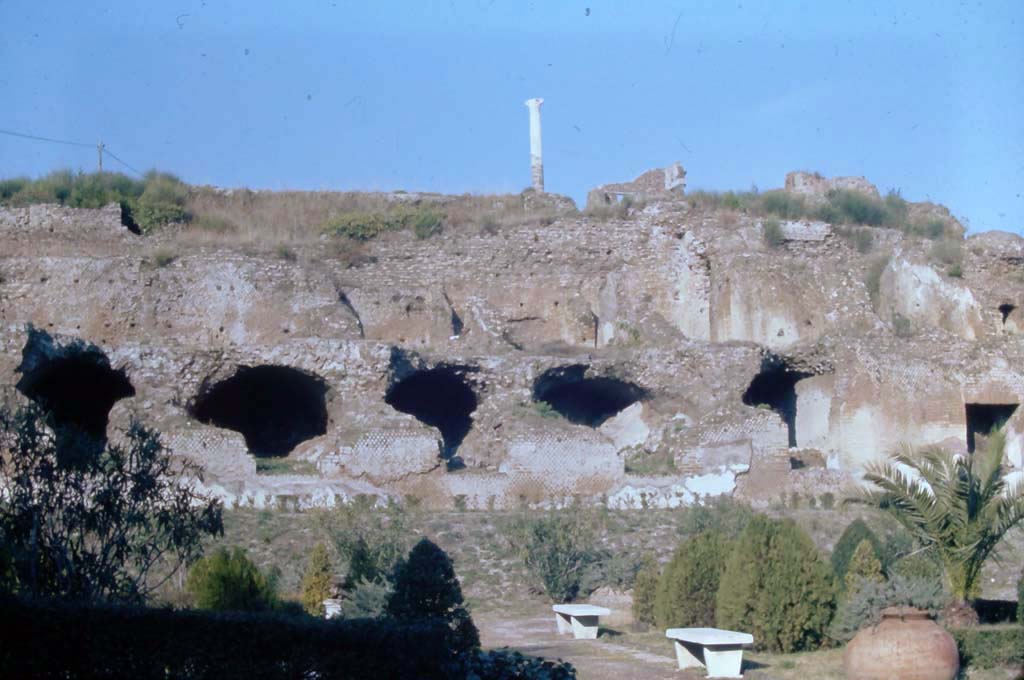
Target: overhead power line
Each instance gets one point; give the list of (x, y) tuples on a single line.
[(45, 139), (101, 147), (109, 153)]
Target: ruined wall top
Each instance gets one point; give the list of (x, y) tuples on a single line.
[(657, 183), (813, 184)]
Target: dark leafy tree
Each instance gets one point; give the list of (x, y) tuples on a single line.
[(426, 588), (102, 525)]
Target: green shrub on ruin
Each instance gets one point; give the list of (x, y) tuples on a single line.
[(776, 587), (773, 236), (783, 204), (317, 581), (689, 584), (645, 591)]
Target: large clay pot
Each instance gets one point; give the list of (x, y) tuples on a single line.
[(906, 645)]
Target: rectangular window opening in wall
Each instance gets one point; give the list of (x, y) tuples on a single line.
[(983, 418)]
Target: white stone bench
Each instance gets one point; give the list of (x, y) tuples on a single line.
[(580, 619), (720, 651)]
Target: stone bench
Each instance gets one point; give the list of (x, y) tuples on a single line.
[(720, 651), (580, 619)]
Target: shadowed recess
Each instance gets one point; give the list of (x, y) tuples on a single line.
[(984, 418), (78, 390), (274, 407), (775, 387), (583, 400), (439, 397)]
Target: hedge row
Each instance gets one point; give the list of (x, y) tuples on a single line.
[(50, 640), (990, 647)]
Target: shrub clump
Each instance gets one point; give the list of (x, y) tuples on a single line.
[(865, 599), (843, 552), (645, 591), (776, 586), (230, 581), (773, 236), (723, 514), (363, 226), (864, 566), (990, 648), (687, 588), (557, 549)]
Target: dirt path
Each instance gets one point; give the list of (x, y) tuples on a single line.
[(534, 634)]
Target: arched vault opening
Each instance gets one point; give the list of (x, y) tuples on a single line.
[(585, 400), (274, 407), (440, 397)]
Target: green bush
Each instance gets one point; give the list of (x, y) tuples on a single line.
[(773, 236), (426, 223), (722, 514), (924, 565), (557, 548), (777, 587), (984, 647), (370, 540), (689, 583), (230, 581), (363, 226), (863, 603), (366, 599), (10, 187), (846, 546), (955, 271), (783, 204), (426, 588), (853, 207), (645, 591), (48, 639), (864, 566), (317, 581)]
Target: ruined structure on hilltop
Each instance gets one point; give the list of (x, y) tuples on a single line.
[(646, 361)]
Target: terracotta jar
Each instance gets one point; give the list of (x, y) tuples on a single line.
[(907, 645)]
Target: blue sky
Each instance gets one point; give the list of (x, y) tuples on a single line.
[(428, 95)]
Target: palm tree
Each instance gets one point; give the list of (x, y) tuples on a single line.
[(961, 506)]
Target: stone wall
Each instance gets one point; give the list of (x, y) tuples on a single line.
[(686, 304)]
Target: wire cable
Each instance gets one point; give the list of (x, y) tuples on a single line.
[(122, 162), (46, 139)]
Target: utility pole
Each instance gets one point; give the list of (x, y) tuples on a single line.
[(99, 155)]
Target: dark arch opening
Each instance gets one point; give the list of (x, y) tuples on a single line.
[(274, 407), (439, 397), (1005, 309), (775, 387), (78, 390), (583, 400), (982, 419)]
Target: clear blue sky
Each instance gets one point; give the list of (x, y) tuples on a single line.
[(428, 95)]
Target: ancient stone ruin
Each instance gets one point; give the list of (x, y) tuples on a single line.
[(532, 364)]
